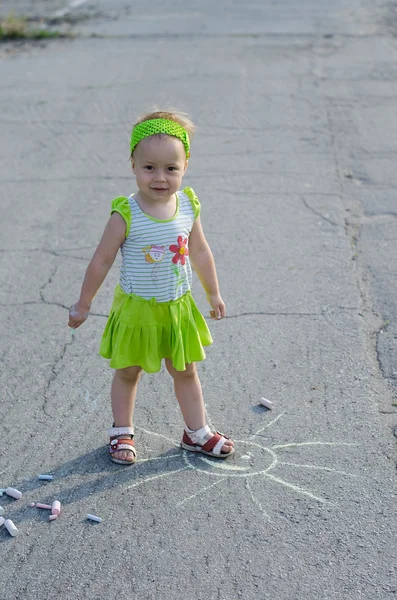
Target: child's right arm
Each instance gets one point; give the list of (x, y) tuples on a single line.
[(103, 259)]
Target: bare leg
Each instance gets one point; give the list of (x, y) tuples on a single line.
[(190, 397), (124, 386)]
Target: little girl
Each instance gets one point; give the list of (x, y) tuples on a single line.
[(153, 315)]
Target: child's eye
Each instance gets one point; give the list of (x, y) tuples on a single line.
[(149, 167), (172, 169)]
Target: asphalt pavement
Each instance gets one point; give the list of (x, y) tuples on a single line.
[(294, 164)]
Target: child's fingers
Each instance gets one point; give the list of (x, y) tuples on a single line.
[(218, 313), (76, 317), (76, 322)]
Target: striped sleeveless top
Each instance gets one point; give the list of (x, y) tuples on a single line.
[(155, 253)]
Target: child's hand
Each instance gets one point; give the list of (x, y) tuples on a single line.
[(78, 314), (218, 305)]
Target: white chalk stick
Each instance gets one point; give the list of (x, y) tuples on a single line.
[(56, 507), (94, 518), (32, 504), (46, 477), (1, 510), (52, 517), (2, 521), (266, 402), (13, 493), (9, 525)]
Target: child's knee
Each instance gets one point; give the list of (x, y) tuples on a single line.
[(131, 374), (189, 373)]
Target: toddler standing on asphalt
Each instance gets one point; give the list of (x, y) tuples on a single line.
[(154, 316)]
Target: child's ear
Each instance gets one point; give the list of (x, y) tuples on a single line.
[(132, 165), (186, 165)]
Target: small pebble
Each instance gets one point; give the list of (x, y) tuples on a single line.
[(266, 402), (9, 525), (46, 477), (94, 518), (32, 504)]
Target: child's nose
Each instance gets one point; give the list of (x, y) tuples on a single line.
[(159, 175)]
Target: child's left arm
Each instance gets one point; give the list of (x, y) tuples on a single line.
[(203, 263)]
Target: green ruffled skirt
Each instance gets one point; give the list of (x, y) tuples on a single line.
[(141, 332)]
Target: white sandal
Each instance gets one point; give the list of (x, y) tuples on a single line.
[(205, 441)]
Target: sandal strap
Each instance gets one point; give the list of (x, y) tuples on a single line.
[(122, 444), (116, 431), (215, 444), (198, 436)]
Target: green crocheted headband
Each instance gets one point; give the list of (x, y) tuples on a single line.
[(154, 126)]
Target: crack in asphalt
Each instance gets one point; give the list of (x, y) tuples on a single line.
[(41, 291), (385, 216), (355, 219), (53, 375), (314, 211)]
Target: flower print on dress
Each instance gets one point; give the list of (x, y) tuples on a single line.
[(181, 251)]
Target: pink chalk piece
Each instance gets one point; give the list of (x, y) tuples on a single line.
[(46, 506), (52, 517), (2, 521), (56, 507), (13, 493)]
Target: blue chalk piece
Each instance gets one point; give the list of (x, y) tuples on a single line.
[(94, 518)]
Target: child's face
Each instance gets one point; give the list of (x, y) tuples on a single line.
[(159, 165)]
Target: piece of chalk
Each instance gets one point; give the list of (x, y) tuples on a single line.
[(9, 525), (266, 402), (94, 518), (13, 493), (46, 477), (1, 510), (52, 517), (32, 505), (2, 521), (56, 507), (46, 506)]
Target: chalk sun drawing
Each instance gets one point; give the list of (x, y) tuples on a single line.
[(254, 459)]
